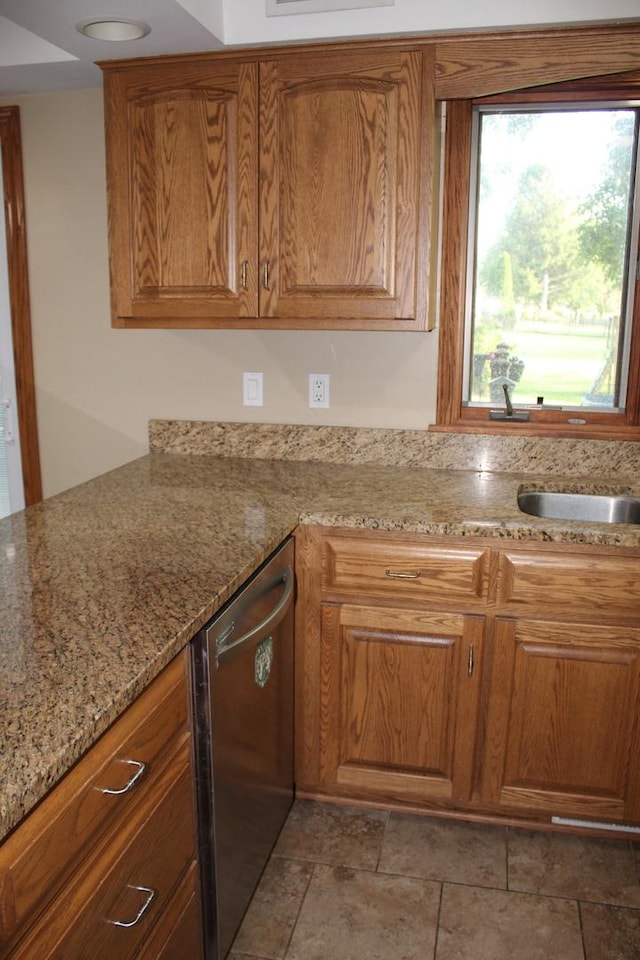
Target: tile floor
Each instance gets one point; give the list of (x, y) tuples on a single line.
[(346, 883)]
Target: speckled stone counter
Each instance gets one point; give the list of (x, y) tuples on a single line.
[(618, 459), (101, 586)]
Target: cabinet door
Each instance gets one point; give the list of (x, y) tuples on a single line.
[(563, 726), (182, 191), (399, 703), (345, 188)]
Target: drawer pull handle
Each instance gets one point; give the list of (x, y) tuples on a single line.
[(402, 576), (141, 767), (141, 912)]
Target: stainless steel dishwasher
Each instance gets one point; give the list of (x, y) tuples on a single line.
[(243, 694)]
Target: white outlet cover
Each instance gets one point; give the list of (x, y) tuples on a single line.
[(319, 390)]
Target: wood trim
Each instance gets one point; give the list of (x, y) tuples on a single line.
[(429, 172), (478, 65), (19, 300), (537, 429), (473, 63), (455, 218), (451, 414), (308, 656)]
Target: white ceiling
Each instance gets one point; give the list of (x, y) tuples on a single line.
[(40, 49)]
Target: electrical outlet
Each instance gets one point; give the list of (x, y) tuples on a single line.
[(252, 389), (318, 389)]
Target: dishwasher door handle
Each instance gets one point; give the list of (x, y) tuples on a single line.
[(271, 619)]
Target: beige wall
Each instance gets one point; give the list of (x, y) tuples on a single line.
[(97, 387)]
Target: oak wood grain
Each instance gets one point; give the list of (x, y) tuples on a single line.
[(178, 935), (545, 720), (41, 854), (343, 194), (182, 192), (399, 701), (153, 849), (563, 724), (475, 65), (387, 568), (19, 300)]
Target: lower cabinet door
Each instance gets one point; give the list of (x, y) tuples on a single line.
[(399, 703), (563, 726)]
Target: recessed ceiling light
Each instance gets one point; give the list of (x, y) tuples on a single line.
[(113, 29)]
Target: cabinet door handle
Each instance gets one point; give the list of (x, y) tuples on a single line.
[(265, 273), (143, 909), (243, 274), (470, 662), (402, 576), (141, 767)]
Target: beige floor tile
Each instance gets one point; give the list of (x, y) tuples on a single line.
[(269, 921), (358, 915), (610, 933), (329, 833), (480, 924), (581, 868), (437, 849)]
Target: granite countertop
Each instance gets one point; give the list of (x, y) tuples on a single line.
[(103, 585)]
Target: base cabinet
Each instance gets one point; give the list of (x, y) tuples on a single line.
[(563, 730), (105, 866), (500, 680), (400, 691)]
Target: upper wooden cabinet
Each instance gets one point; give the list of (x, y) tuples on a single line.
[(341, 181), (291, 192), (182, 189)]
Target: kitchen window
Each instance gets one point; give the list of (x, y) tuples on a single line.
[(540, 309)]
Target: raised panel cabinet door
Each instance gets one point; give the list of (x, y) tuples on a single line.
[(399, 703), (563, 726), (345, 182), (182, 192)]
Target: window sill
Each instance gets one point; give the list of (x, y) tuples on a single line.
[(532, 428)]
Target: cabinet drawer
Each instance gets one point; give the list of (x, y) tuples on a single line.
[(112, 904), (41, 853), (582, 583), (178, 935), (404, 570)]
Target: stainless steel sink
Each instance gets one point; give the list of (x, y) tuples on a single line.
[(597, 508)]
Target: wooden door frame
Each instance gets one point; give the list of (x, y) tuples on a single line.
[(13, 182)]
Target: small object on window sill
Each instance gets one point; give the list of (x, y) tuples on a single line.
[(509, 413)]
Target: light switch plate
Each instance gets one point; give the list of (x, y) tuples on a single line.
[(252, 389)]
